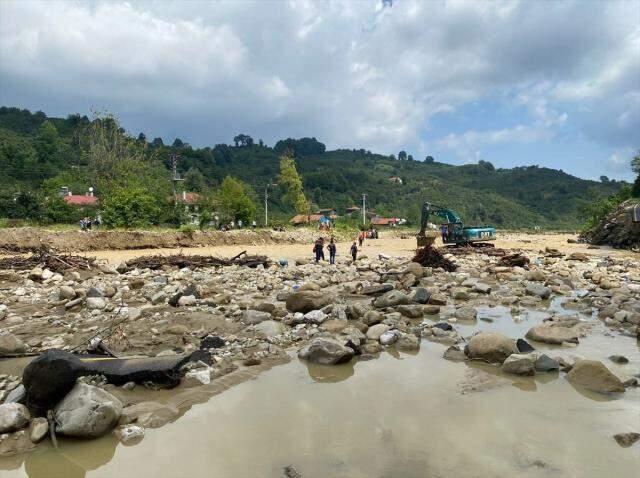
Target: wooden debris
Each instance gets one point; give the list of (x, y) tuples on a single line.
[(429, 256), (514, 260), (196, 261), (46, 259)]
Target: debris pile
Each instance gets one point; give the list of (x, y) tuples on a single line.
[(44, 258), (197, 262), (514, 260), (431, 257)]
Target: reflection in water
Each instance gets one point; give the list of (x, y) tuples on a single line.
[(330, 373)]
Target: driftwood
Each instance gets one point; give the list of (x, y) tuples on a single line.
[(46, 259), (429, 256), (513, 260), (195, 261), (489, 251)]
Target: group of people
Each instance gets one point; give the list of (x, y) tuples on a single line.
[(318, 250), (233, 225), (86, 223)]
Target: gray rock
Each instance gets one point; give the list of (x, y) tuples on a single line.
[(252, 317), (391, 299), (544, 363), (491, 347), (375, 331), (13, 416), (376, 289), (269, 328), (460, 294), (315, 317), (10, 344), (308, 300), (96, 303), (87, 412), (372, 317), (129, 434), (17, 395), (408, 343), (187, 300), (625, 440), (38, 429), (519, 364), (538, 290), (411, 311), (420, 295), (94, 292), (466, 313), (159, 298), (389, 337), (593, 375), (552, 334), (454, 354), (620, 359), (482, 288), (325, 351), (66, 293)]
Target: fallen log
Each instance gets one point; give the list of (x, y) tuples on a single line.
[(46, 259), (196, 261)]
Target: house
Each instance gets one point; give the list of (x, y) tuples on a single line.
[(395, 179), (330, 213), (385, 221), (191, 203), (322, 221), (352, 210), (88, 199)]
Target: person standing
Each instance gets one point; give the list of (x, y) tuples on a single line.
[(332, 252), (354, 251), (317, 249), (360, 238), (444, 233)]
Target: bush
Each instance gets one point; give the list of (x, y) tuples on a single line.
[(187, 229), (56, 210), (130, 208)]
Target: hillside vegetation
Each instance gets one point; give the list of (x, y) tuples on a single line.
[(40, 154)]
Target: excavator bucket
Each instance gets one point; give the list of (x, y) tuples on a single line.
[(428, 239)]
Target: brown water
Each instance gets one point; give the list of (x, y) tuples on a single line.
[(401, 416)]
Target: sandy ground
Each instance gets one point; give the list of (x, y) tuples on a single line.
[(393, 246)]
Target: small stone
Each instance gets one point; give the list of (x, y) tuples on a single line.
[(177, 329), (10, 344), (454, 354), (519, 364), (13, 416), (544, 363), (621, 359), (625, 440), (38, 429), (187, 300), (129, 434)]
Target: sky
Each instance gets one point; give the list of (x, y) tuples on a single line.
[(553, 83)]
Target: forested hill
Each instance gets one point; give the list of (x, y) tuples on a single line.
[(36, 149)]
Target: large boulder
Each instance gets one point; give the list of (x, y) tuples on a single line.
[(87, 412), (13, 416), (538, 290), (269, 328), (519, 364), (308, 300), (491, 347), (391, 299), (549, 333), (593, 375), (252, 317), (466, 313), (325, 351), (376, 289), (10, 344), (375, 331)]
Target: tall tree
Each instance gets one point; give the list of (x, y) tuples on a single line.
[(635, 167), (290, 180), (402, 155), (194, 180), (235, 201), (429, 160)]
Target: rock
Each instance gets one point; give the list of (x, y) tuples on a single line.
[(269, 328), (519, 364), (187, 300), (455, 354), (466, 313), (197, 377), (482, 288), (252, 317), (315, 317), (158, 298), (579, 256), (87, 412), (129, 434), (325, 351), (309, 300), (375, 331), (212, 342), (38, 429), (149, 414), (251, 361), (420, 295), (13, 416), (536, 275), (334, 326), (66, 293), (96, 303), (10, 344), (621, 359), (431, 309), (443, 326), (523, 346), (437, 299), (17, 395), (391, 299), (625, 440), (94, 292), (135, 284), (460, 294), (376, 289), (538, 290), (491, 347), (593, 375), (552, 334), (177, 329), (372, 317), (544, 363), (389, 337), (408, 343), (415, 268), (371, 348), (411, 311), (73, 303)]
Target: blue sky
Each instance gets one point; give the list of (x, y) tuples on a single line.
[(553, 83)]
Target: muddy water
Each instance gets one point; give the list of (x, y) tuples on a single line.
[(402, 416)]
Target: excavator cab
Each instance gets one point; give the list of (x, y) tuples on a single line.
[(452, 231)]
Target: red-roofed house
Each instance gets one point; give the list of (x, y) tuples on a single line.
[(86, 200), (384, 221)]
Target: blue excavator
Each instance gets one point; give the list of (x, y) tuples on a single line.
[(452, 231)]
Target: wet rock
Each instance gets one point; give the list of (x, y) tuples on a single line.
[(593, 375), (519, 364), (375, 331), (524, 346), (372, 317), (466, 313), (482, 288), (371, 348), (552, 334), (431, 309), (212, 342), (544, 363), (96, 303), (252, 317), (408, 343), (11, 345), (325, 351), (376, 289), (489, 346), (391, 299), (620, 359), (443, 326), (454, 354), (306, 301), (538, 290), (148, 414), (315, 317), (38, 429), (411, 311), (13, 416), (460, 294), (94, 292), (290, 471), (334, 326), (87, 412), (129, 434), (251, 361), (625, 440), (389, 337)]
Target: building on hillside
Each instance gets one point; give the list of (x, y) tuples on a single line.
[(395, 179), (352, 211), (191, 203), (385, 221), (87, 199), (331, 213), (319, 220)]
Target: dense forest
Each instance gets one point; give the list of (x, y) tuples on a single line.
[(39, 155)]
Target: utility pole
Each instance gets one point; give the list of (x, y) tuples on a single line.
[(364, 209), (175, 178), (266, 205)]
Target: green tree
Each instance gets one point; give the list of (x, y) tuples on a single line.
[(402, 155), (130, 208), (47, 143), (291, 182), (235, 201), (635, 167), (429, 160), (194, 180)]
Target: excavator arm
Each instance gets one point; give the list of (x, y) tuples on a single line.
[(428, 209)]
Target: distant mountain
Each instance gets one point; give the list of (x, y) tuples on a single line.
[(518, 197)]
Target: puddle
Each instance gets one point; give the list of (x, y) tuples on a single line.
[(401, 416)]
